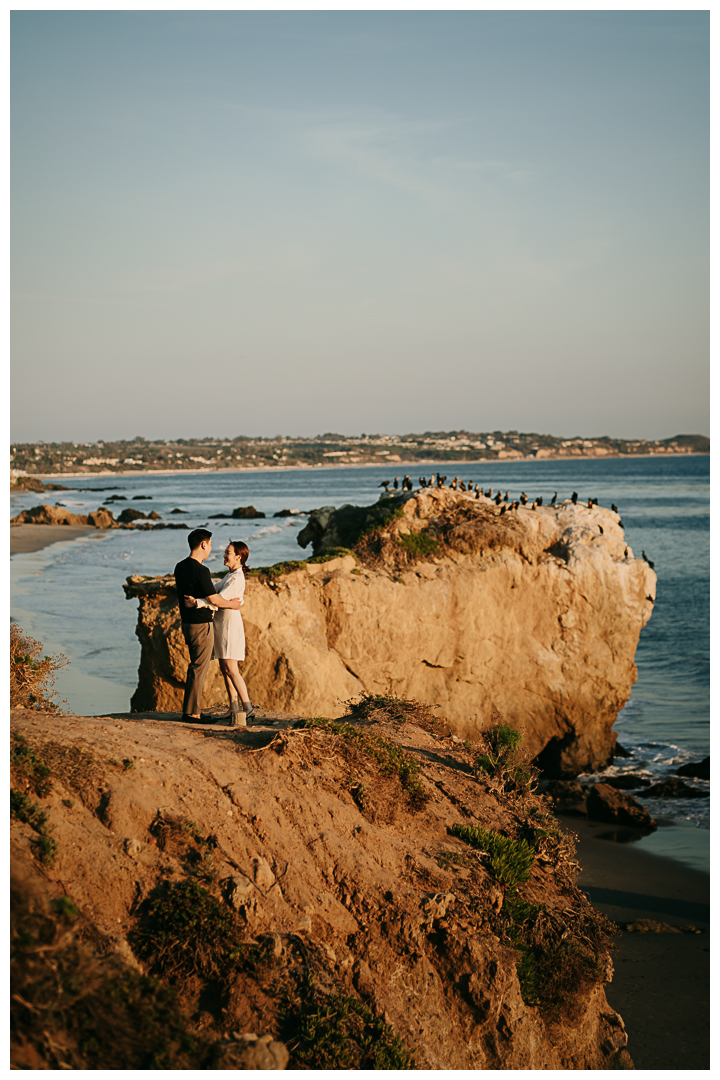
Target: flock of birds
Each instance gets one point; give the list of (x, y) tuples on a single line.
[(436, 480)]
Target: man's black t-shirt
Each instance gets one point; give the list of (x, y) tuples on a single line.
[(193, 579)]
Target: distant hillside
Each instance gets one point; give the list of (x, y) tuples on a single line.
[(140, 455)]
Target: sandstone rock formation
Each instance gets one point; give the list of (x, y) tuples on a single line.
[(342, 891), (59, 515), (533, 615)]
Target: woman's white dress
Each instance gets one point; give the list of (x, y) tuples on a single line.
[(227, 623)]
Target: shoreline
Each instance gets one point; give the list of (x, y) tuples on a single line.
[(660, 984), (25, 540), (348, 465)]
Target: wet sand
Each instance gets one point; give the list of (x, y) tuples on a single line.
[(661, 985), (27, 538)]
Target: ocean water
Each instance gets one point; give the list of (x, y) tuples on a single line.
[(70, 596)]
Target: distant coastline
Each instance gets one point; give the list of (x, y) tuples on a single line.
[(351, 465)]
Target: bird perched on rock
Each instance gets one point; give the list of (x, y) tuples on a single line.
[(523, 498), (503, 508), (507, 496), (431, 480), (498, 498), (454, 484), (614, 508), (395, 483), (478, 492), (407, 483), (648, 561), (552, 501), (626, 553), (574, 497), (515, 504), (385, 484), (488, 493), (462, 487), (590, 504), (538, 501), (441, 480)]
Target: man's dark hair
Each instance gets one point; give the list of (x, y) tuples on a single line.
[(196, 537)]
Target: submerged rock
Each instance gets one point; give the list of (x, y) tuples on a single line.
[(698, 769)]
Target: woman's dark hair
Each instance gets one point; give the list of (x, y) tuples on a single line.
[(240, 548)]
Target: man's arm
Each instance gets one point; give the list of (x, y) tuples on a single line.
[(219, 601)]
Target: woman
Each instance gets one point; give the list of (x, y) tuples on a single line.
[(229, 645)]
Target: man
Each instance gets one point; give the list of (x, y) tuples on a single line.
[(193, 579)]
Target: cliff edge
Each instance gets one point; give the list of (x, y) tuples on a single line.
[(532, 614), (368, 894)]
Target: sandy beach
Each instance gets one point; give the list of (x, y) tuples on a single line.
[(28, 538), (661, 985)]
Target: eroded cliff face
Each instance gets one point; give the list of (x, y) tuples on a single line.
[(534, 615), (319, 867)]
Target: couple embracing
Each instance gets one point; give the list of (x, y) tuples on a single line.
[(212, 626)]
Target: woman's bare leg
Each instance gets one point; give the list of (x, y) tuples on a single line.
[(231, 693), (232, 676)]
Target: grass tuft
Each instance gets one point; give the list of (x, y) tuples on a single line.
[(390, 759)]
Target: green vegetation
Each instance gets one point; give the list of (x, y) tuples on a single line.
[(278, 569), (390, 759), (499, 759), (557, 965), (388, 706), (510, 860), (96, 1013), (29, 768), (333, 1031), (184, 930), (419, 545), (24, 809), (32, 676)]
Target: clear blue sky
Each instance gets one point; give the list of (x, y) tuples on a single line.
[(270, 223)]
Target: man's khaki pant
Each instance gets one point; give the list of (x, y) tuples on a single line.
[(199, 638)]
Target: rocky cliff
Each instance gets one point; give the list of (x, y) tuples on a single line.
[(530, 614), (182, 897)]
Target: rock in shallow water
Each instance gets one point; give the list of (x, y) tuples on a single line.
[(605, 803)]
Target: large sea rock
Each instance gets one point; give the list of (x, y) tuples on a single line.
[(533, 616)]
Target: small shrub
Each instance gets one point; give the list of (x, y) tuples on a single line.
[(184, 930), (32, 675), (96, 1013), (388, 706), (64, 906), (499, 760), (24, 809), (29, 767), (334, 1031)]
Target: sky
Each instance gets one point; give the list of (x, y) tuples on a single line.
[(289, 222)]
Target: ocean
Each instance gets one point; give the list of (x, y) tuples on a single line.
[(69, 596)]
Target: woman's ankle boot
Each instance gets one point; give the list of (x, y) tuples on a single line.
[(237, 716)]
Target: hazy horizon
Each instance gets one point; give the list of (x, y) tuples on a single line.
[(297, 221)]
